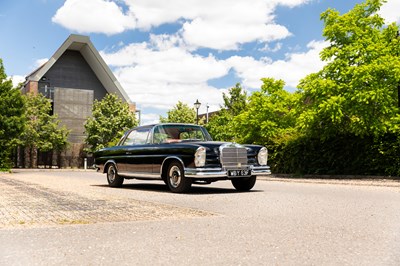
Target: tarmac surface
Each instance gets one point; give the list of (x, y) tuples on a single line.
[(74, 218)]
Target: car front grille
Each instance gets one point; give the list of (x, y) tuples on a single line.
[(233, 157)]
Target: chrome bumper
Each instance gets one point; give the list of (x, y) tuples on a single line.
[(221, 173)]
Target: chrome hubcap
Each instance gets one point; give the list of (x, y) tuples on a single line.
[(111, 174), (175, 176)]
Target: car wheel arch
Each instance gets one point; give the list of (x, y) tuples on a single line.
[(167, 161), (108, 163)]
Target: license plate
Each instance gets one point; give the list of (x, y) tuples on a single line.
[(237, 173)]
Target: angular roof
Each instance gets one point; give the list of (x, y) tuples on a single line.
[(91, 55)]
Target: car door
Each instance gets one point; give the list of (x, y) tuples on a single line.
[(161, 141), (137, 151)]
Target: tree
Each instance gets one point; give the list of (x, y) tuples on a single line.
[(348, 111), (181, 113), (270, 114), (236, 100), (42, 131), (356, 92), (110, 119), (221, 126), (12, 119)]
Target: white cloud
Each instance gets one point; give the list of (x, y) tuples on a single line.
[(164, 70), (40, 62), (229, 35), (99, 16), (290, 3), (221, 25), (274, 49), (147, 119), (390, 11), (153, 13), (295, 67), (16, 79), (159, 78)]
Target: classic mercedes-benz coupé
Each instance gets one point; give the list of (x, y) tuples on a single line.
[(181, 154)]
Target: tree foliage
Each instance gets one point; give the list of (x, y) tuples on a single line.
[(236, 100), (12, 119), (344, 119), (356, 92), (348, 111), (43, 131), (221, 126), (110, 119), (270, 114), (181, 113)]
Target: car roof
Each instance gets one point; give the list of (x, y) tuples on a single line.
[(162, 124)]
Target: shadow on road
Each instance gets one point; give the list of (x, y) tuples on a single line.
[(195, 190)]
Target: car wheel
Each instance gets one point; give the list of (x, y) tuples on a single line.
[(113, 178), (176, 180), (245, 183)]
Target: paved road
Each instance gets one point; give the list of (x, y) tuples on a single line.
[(72, 218)]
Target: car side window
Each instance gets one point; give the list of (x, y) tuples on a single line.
[(136, 137)]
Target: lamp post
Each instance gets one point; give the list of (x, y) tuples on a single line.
[(197, 106), (140, 114), (207, 113)]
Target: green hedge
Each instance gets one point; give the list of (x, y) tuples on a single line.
[(342, 155)]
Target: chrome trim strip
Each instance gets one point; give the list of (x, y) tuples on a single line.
[(205, 172), (141, 175), (260, 170)]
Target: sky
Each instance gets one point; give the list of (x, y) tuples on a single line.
[(165, 51)]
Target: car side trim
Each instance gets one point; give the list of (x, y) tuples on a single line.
[(138, 175)]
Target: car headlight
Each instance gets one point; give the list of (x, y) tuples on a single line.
[(262, 156), (200, 157)]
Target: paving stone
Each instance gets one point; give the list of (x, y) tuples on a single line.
[(24, 204)]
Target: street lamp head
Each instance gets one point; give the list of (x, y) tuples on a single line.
[(197, 104)]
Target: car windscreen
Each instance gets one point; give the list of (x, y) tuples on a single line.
[(178, 133)]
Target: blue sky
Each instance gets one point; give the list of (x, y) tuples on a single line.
[(163, 52)]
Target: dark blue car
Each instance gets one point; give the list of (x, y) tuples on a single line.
[(181, 154)]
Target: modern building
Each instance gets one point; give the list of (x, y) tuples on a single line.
[(72, 79)]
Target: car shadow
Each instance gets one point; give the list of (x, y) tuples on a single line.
[(195, 189)]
